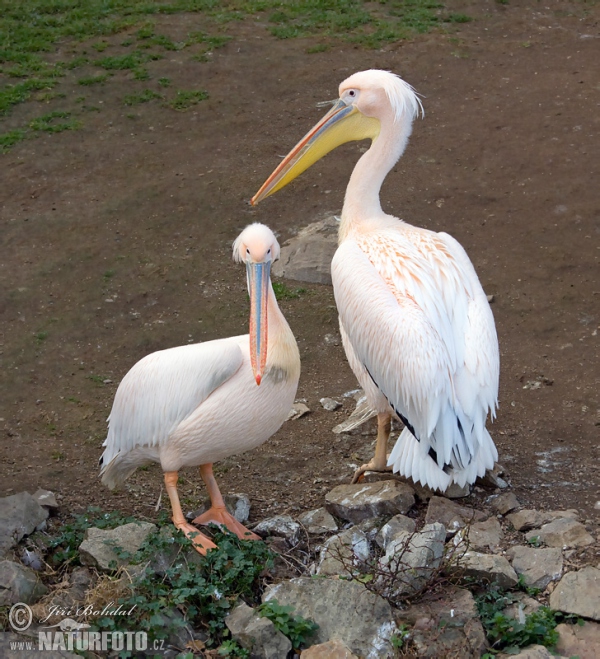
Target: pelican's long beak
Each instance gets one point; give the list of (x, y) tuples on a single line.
[(258, 287), (343, 123)]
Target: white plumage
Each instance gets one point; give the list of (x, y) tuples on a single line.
[(197, 404), (416, 325)]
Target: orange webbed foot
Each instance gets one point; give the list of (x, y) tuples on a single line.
[(222, 517), (359, 474), (201, 543)]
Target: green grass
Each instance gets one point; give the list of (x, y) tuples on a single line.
[(185, 99), (9, 139), (283, 292), (51, 122), (142, 97), (97, 79)]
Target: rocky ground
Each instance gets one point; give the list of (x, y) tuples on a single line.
[(383, 568)]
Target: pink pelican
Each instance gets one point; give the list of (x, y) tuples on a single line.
[(415, 323), (196, 404)]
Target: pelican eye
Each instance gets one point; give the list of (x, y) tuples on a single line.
[(352, 93), (248, 251)]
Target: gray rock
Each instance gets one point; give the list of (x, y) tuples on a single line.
[(488, 568), (46, 499), (318, 521), (485, 535), (19, 584), (578, 593), (562, 532), (282, 526), (446, 625), (20, 515), (581, 641), (493, 478), (527, 519), (505, 502), (456, 491), (538, 566), (298, 410), (363, 500), (398, 524), (452, 515), (334, 649), (330, 404), (345, 610), (343, 554), (171, 555), (98, 546), (410, 561), (257, 634), (532, 652), (360, 416), (307, 256), (237, 505), (522, 607)]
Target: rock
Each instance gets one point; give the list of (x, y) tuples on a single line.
[(526, 519), (237, 505), (578, 593), (485, 535), (581, 641), (298, 410), (398, 524), (492, 478), (331, 650), (171, 554), (538, 566), (343, 554), (31, 559), (363, 500), (46, 499), (488, 569), (456, 491), (505, 502), (19, 584), (20, 515), (97, 548), (257, 634), (531, 652), (344, 610), (307, 256), (330, 404), (282, 526), (452, 515), (80, 580), (410, 560), (446, 624), (523, 606), (360, 416), (8, 641), (562, 532), (318, 521)]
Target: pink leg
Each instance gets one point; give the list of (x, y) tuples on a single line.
[(201, 543), (379, 460), (217, 513)]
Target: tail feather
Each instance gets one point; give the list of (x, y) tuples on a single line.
[(408, 459)]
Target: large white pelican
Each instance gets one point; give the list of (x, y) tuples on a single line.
[(416, 325), (196, 404)]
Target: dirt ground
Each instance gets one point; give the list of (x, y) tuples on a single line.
[(116, 242)]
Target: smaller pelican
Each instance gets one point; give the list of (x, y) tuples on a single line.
[(196, 404)]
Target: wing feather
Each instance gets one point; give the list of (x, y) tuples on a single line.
[(163, 389)]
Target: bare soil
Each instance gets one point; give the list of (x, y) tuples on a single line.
[(116, 242)]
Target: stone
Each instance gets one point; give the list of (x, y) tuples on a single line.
[(485, 535), (20, 515), (19, 584), (298, 410), (360, 416), (334, 649), (538, 566), (344, 610), (521, 607), (531, 652), (456, 491), (578, 593), (398, 524), (363, 500), (492, 479), (488, 568), (581, 641), (80, 580), (505, 502), (446, 624), (307, 256), (46, 499), (330, 404), (97, 549), (237, 505), (452, 515), (523, 520), (257, 634), (318, 521), (410, 561), (282, 526), (562, 532), (344, 554)]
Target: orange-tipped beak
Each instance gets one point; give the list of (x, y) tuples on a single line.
[(343, 123), (258, 287)]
